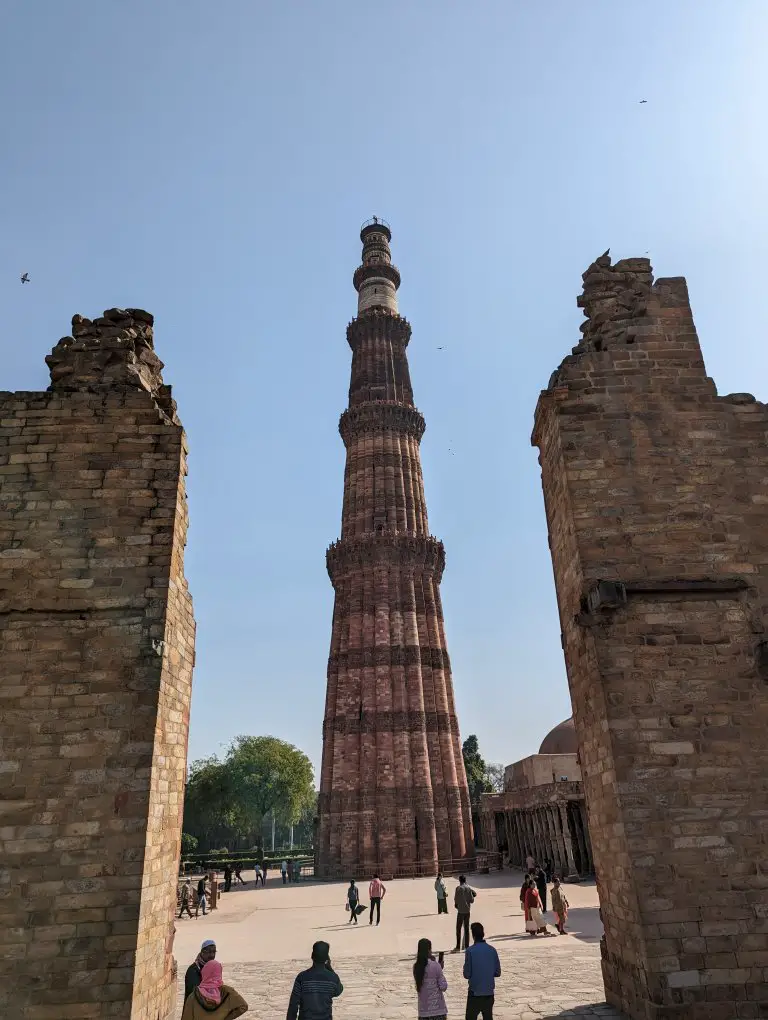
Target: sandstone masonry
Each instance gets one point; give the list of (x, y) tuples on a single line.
[(96, 655), (656, 492), (393, 791)]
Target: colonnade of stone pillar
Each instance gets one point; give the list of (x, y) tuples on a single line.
[(555, 832)]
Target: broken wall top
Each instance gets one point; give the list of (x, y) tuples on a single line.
[(112, 352)]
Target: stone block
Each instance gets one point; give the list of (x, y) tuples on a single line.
[(649, 479), (84, 689)]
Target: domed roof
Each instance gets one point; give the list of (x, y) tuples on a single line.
[(560, 740)]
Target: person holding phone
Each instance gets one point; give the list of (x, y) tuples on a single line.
[(430, 983), (315, 989)]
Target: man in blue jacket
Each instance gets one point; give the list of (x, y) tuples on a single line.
[(315, 989), (481, 968)]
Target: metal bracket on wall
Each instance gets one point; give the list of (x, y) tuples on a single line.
[(607, 596)]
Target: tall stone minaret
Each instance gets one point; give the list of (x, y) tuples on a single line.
[(393, 791)]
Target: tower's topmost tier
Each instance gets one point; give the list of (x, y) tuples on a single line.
[(376, 280)]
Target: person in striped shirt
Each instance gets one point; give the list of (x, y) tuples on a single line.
[(315, 989)]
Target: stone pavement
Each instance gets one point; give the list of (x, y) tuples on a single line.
[(264, 938)]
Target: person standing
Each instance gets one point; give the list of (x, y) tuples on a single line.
[(263, 873), (194, 970), (315, 989), (284, 871), (541, 885), (530, 863), (463, 897), (442, 894), (559, 905), (227, 877), (524, 889), (377, 891), (186, 896), (430, 983), (212, 999), (534, 919), (202, 898), (481, 968), (258, 874), (353, 901)]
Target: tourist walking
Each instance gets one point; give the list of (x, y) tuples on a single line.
[(263, 873), (212, 999), (430, 983), (541, 885), (202, 899), (315, 989), (284, 871), (258, 875), (463, 898), (186, 896), (442, 894), (238, 877), (559, 905), (353, 901), (194, 970), (481, 968), (530, 863), (377, 891), (534, 919), (227, 877)]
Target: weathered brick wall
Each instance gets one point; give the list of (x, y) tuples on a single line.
[(96, 649), (653, 481)]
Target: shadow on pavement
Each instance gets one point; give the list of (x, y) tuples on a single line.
[(603, 1010)]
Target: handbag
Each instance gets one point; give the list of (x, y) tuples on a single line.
[(346, 906)]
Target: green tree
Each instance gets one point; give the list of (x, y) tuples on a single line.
[(227, 800), (188, 844), (477, 770)]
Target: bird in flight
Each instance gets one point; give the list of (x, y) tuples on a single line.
[(25, 278), (439, 348), (643, 101)]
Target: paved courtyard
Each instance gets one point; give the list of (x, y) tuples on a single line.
[(264, 937)]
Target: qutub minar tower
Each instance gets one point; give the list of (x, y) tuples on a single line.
[(393, 790)]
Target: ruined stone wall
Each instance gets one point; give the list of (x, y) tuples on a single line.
[(655, 491), (96, 650)]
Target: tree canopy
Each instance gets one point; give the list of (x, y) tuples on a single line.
[(481, 776), (227, 799)]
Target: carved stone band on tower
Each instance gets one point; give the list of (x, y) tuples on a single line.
[(393, 791)]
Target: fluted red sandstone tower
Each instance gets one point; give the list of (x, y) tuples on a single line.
[(393, 792), (656, 491)]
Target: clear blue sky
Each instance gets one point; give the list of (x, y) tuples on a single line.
[(213, 162)]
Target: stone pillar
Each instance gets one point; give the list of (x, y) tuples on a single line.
[(552, 833), (393, 790), (655, 491), (583, 855), (585, 830), (540, 841), (572, 871), (96, 647)]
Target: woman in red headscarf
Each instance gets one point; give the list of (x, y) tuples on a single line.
[(212, 999)]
